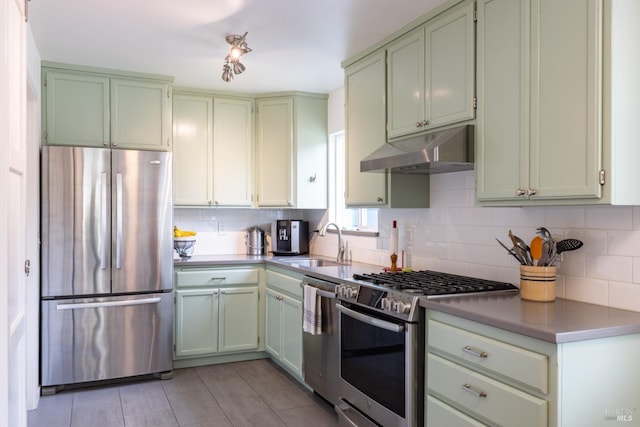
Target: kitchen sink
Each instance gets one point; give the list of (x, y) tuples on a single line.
[(309, 262)]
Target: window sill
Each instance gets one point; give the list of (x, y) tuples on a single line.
[(362, 233)]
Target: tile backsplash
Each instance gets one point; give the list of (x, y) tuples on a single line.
[(455, 236)]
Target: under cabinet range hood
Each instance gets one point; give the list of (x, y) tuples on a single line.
[(449, 150)]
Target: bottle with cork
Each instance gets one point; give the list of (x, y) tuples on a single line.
[(393, 244)]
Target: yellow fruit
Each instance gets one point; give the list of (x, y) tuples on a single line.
[(182, 233)]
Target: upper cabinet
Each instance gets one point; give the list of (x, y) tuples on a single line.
[(87, 107), (539, 94), (556, 86), (213, 150), (291, 138), (365, 132), (430, 74)]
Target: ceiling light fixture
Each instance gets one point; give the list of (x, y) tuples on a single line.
[(232, 63)]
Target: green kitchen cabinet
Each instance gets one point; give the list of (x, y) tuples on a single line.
[(213, 150), (283, 329), (430, 74), (217, 311), (83, 106), (539, 127), (482, 375), (291, 138), (365, 82)]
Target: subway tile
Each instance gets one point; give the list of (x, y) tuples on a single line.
[(614, 268), (593, 291), (565, 217), (624, 295), (636, 270), (574, 265), (624, 243), (609, 217)]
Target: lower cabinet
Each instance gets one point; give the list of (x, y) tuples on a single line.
[(283, 340), (213, 317), (481, 375)]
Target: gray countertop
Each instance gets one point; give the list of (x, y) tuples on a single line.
[(330, 273), (559, 321)]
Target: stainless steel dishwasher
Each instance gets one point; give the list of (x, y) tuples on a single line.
[(321, 357)]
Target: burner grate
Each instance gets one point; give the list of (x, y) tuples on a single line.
[(434, 282)]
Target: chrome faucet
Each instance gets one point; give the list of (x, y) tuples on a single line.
[(342, 257)]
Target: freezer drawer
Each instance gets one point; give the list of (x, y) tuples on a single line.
[(92, 339)]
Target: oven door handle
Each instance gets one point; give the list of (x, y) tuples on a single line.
[(370, 320)]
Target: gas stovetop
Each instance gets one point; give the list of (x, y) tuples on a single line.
[(398, 294), (433, 283)]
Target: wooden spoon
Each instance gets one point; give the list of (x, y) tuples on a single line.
[(536, 249)]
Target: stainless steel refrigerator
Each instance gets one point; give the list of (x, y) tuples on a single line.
[(107, 265)]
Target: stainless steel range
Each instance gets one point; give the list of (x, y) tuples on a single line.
[(382, 342)]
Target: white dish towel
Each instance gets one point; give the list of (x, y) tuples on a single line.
[(311, 311)]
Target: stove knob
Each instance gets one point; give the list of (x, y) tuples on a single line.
[(385, 304), (352, 292), (403, 307), (394, 305)]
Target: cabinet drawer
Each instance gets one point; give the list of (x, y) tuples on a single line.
[(216, 277), (284, 283), (501, 404), (439, 413), (523, 366)]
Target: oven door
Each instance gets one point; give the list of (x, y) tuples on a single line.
[(379, 369)]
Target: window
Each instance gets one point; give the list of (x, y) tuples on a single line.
[(362, 219)]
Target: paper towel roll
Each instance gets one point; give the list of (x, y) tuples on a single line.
[(393, 240)]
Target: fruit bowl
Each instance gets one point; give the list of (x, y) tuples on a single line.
[(184, 246)]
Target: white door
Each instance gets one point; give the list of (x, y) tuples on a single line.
[(13, 213)]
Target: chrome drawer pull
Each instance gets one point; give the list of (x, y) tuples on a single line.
[(468, 389), (218, 278), (482, 354)]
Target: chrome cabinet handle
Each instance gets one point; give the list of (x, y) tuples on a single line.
[(520, 192), (218, 278), (379, 199), (124, 303), (531, 192), (119, 214), (481, 354), (114, 143), (468, 389), (103, 221)]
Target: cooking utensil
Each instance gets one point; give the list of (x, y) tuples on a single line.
[(536, 250), (521, 248), (569, 245), (511, 252)]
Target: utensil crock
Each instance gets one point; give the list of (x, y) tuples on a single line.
[(538, 283)]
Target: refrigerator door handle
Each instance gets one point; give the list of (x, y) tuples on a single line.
[(154, 300), (118, 220), (104, 221)]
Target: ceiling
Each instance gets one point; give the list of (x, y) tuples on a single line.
[(297, 44)]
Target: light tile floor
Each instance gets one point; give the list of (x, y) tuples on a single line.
[(253, 393)]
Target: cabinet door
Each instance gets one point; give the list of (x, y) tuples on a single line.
[(449, 69), (192, 145), (273, 328), (139, 114), (275, 152), (565, 98), (503, 65), (196, 322), (291, 354), (365, 129), (77, 109), (232, 152), (238, 319), (406, 84)]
